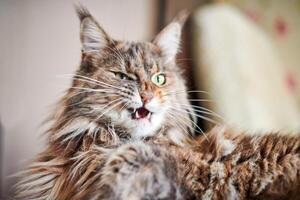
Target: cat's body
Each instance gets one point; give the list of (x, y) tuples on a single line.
[(225, 165), (123, 130)]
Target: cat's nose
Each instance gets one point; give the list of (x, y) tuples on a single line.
[(146, 97)]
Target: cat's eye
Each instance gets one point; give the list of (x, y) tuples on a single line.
[(159, 79), (121, 76)]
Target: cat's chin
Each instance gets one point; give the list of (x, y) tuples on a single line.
[(145, 124)]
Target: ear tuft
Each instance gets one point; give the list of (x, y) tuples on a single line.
[(182, 17), (168, 40), (82, 12), (93, 37)]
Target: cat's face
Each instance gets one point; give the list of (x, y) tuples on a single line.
[(133, 84), (139, 85)]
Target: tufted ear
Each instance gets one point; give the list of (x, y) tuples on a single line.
[(93, 37), (168, 40)]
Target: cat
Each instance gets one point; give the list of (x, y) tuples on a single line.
[(124, 131), (123, 91)]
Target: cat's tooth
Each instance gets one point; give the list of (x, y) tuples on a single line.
[(137, 115), (149, 115)]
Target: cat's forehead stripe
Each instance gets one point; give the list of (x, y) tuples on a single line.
[(139, 55)]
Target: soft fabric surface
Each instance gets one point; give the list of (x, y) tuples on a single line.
[(236, 62)]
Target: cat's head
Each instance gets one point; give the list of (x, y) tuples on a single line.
[(136, 85)]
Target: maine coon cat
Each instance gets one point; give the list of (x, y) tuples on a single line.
[(122, 91), (122, 132)]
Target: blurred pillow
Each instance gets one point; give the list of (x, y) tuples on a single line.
[(236, 63)]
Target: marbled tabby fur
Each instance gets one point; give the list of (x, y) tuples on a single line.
[(225, 165)]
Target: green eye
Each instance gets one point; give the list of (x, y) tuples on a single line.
[(121, 76), (158, 79)]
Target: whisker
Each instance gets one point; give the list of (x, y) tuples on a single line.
[(93, 81), (92, 90), (200, 100), (183, 59), (178, 124), (123, 106), (189, 91), (203, 110), (195, 129), (162, 130), (78, 103), (86, 99), (100, 83), (208, 110), (119, 101), (78, 93), (111, 102), (198, 115)]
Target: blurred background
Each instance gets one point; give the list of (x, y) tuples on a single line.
[(243, 53)]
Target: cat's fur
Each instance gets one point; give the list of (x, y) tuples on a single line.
[(225, 165), (91, 155)]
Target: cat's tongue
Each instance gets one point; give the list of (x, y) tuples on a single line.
[(141, 113)]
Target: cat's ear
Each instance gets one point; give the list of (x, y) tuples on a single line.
[(93, 37), (168, 40)]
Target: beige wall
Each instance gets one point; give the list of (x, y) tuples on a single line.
[(40, 41)]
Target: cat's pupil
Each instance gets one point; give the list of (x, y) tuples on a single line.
[(121, 75), (157, 79)]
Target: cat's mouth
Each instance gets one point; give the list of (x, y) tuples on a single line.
[(140, 113)]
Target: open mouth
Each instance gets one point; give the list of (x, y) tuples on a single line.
[(140, 113)]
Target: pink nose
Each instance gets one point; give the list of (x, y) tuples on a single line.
[(146, 97)]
